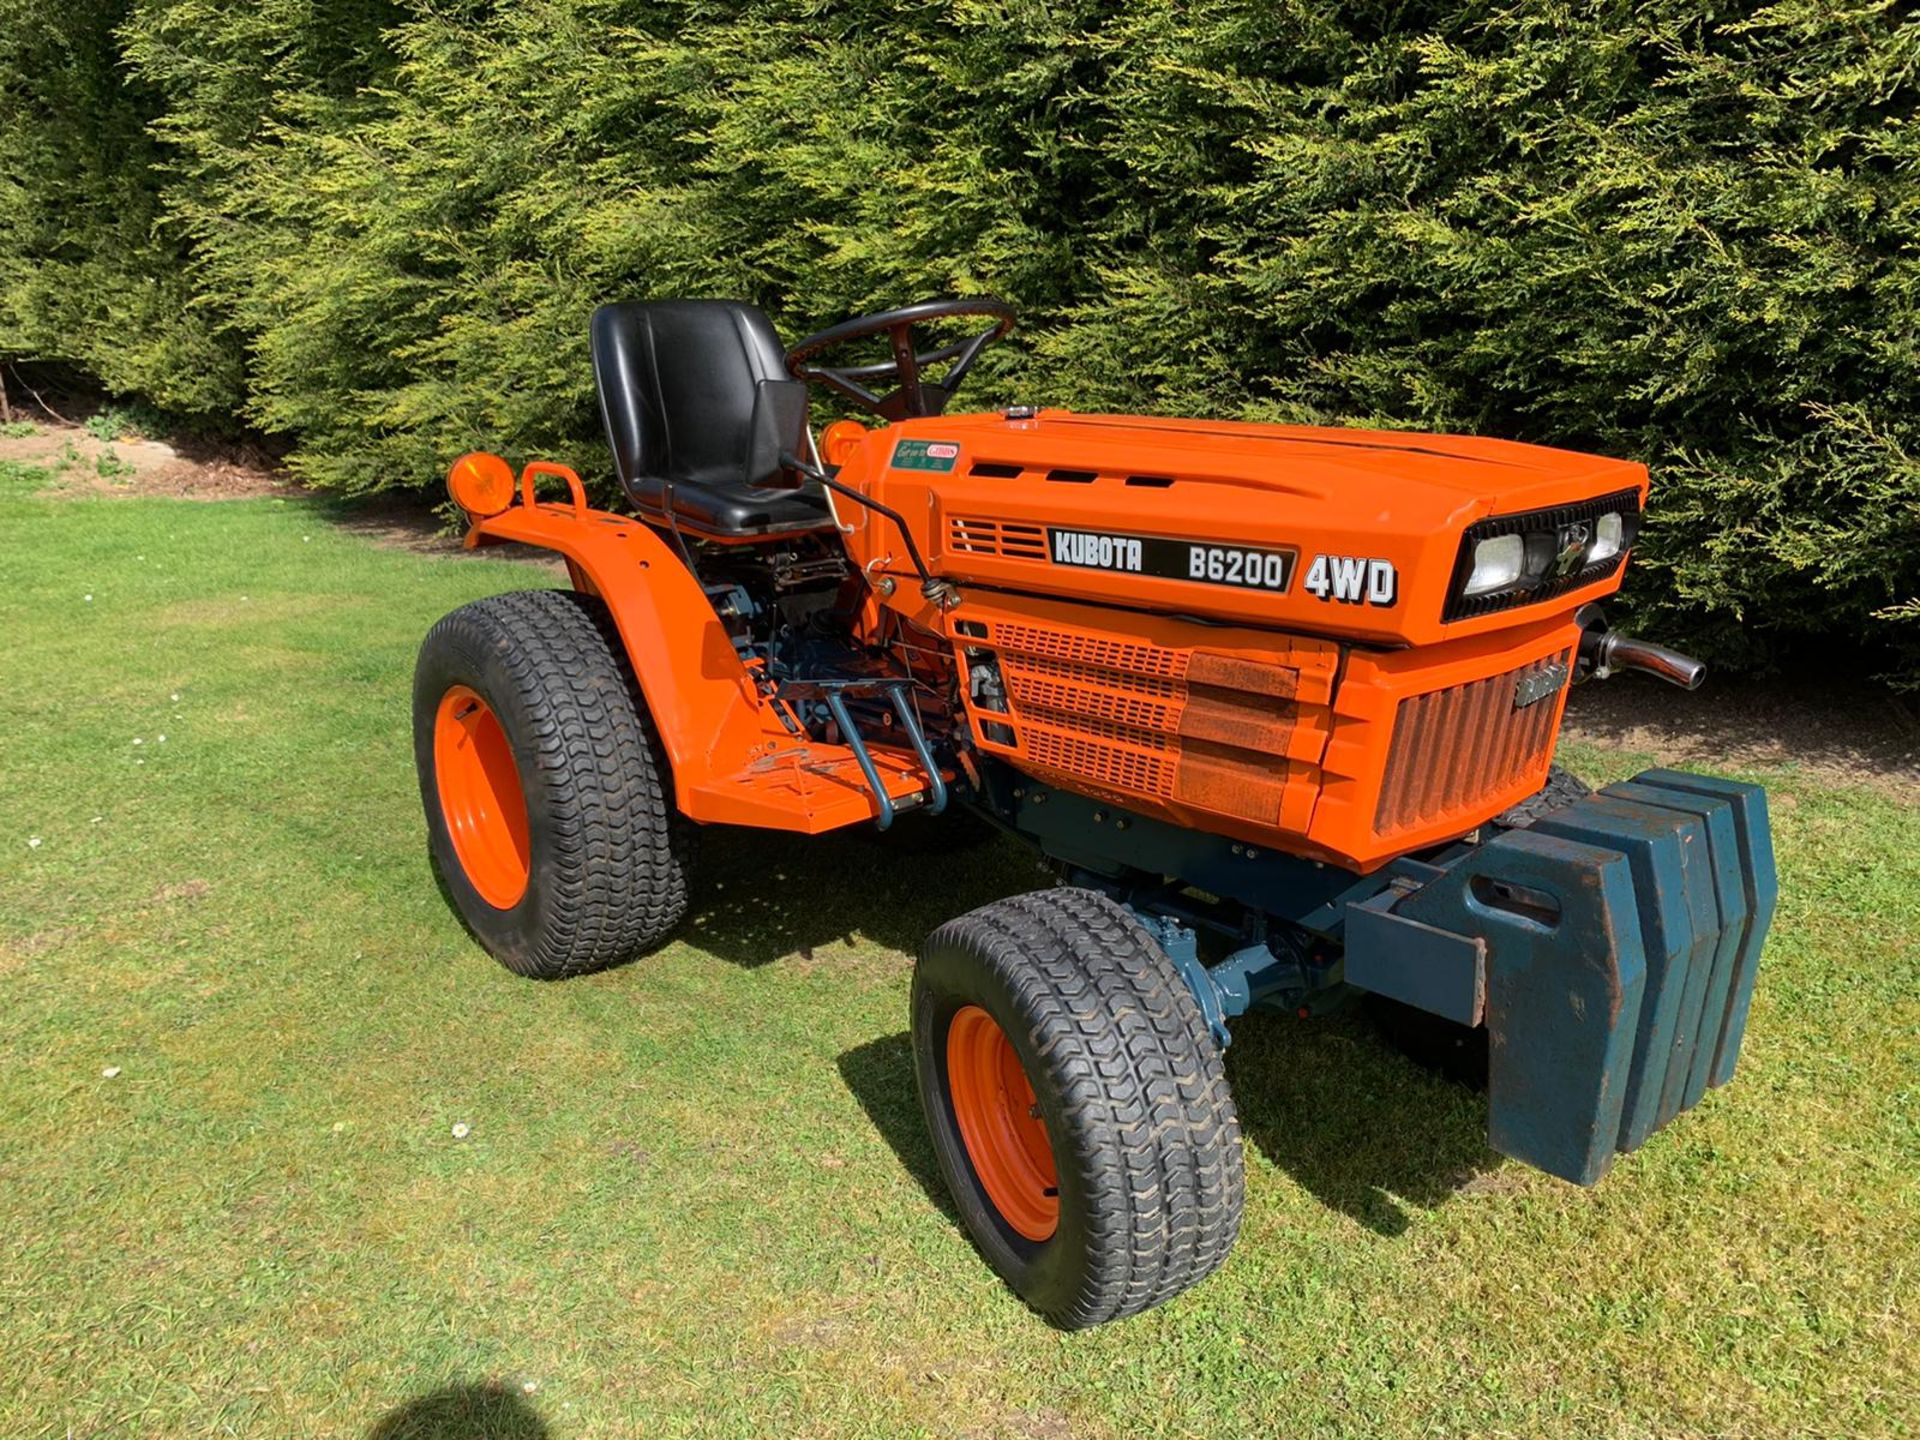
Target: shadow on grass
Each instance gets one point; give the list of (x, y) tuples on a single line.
[(762, 895), (412, 522), (462, 1412), (1332, 1102), (880, 1075), (1363, 1128)]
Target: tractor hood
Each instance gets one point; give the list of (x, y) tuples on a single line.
[(1323, 461), (1352, 533)]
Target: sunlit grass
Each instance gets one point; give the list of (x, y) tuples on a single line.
[(695, 1198)]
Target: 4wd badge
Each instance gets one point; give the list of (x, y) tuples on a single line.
[(1352, 579)]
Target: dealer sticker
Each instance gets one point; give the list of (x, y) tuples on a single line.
[(1237, 565), (939, 456)]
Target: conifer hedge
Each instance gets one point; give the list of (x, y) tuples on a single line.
[(1680, 230)]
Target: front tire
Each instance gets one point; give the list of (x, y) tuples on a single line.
[(546, 796), (1078, 1107)]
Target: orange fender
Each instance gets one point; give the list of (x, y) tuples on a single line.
[(733, 760), (705, 705)]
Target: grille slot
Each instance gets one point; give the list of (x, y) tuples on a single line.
[(1097, 763), (1089, 702), (972, 535), (1130, 660), (1453, 748), (1000, 470)]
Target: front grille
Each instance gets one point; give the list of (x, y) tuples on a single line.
[(1130, 661), (1147, 702), (1140, 722), (1113, 767), (1453, 749)]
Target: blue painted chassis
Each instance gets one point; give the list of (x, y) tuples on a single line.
[(1610, 948)]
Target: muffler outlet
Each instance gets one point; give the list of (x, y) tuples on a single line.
[(1605, 652)]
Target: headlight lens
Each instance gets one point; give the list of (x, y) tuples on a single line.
[(1497, 563), (1608, 532), (1519, 559)]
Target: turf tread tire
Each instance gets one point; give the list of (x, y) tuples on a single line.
[(1130, 1083), (610, 855), (1563, 788)]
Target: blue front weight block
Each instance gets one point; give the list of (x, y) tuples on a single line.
[(1610, 949), (1747, 888)]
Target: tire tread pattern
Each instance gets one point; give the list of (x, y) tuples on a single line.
[(1563, 788), (616, 879), (1155, 1136)]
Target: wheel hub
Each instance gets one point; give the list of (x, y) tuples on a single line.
[(480, 797), (999, 1121)]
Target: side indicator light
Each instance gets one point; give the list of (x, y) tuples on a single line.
[(481, 484)]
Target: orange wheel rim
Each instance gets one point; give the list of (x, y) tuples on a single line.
[(1000, 1123), (480, 797)]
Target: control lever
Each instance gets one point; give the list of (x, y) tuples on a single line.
[(941, 592)]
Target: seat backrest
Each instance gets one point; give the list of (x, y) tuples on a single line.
[(695, 392)]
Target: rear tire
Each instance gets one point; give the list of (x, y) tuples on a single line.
[(547, 800), (1136, 1126)]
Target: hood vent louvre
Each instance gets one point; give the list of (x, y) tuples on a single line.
[(972, 535)]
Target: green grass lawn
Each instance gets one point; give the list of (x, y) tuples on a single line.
[(695, 1198)]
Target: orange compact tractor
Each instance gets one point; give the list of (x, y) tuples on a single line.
[(1279, 705)]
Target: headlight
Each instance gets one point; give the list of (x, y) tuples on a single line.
[(1608, 533), (1498, 561), (1519, 559)]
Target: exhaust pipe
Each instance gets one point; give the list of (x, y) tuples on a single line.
[(1605, 652)]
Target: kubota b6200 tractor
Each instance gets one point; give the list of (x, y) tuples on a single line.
[(1279, 705)]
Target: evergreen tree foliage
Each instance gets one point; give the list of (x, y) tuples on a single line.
[(89, 272), (1686, 231)]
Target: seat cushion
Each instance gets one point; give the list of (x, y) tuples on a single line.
[(747, 510)]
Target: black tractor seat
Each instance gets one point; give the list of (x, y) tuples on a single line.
[(698, 406)]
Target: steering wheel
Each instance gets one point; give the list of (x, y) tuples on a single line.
[(913, 395)]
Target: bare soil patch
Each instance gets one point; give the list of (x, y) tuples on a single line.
[(81, 463), (1847, 733)]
